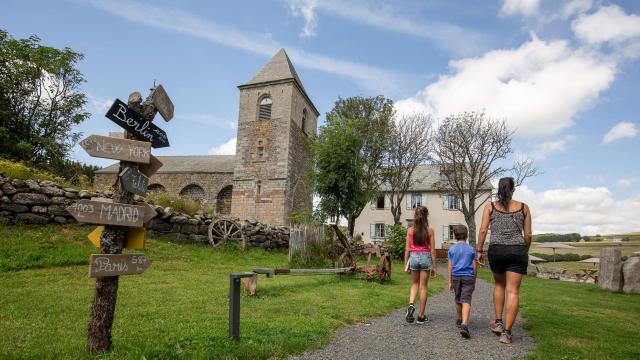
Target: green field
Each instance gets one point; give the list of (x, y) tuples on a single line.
[(178, 308), (591, 248)]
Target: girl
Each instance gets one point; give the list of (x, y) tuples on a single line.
[(419, 260), (510, 225)]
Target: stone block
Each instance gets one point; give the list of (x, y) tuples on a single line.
[(5, 200), (14, 208), (31, 199), (58, 210), (179, 220), (60, 219), (8, 189), (189, 229), (31, 218), (18, 183), (47, 183), (52, 191), (70, 195), (32, 185), (159, 225), (631, 275), (203, 229), (610, 274), (39, 209), (60, 200), (84, 194)]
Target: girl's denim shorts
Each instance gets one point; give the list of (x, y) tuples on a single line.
[(420, 261)]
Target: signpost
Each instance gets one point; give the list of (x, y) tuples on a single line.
[(162, 102), (151, 168), (117, 149), (134, 181), (99, 212), (135, 237), (133, 123), (101, 265)]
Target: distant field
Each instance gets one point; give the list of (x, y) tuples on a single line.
[(572, 267), (590, 248)]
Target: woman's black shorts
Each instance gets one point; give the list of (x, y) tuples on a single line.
[(503, 258)]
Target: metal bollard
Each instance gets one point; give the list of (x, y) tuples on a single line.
[(234, 304)]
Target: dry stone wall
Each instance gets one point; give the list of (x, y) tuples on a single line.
[(43, 202)]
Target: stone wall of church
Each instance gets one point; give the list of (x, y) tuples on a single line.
[(174, 183)]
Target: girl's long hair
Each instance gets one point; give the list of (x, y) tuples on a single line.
[(420, 225), (506, 186)]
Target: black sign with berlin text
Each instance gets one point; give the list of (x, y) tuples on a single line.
[(131, 121)]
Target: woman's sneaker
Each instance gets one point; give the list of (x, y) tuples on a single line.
[(506, 338), (497, 327), (410, 310), (464, 331), (422, 320), (458, 323)]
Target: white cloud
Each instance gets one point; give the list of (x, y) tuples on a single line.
[(585, 210), (609, 24), (186, 23), (625, 183), (98, 105), (576, 7), (544, 149), (620, 131), (524, 7), (385, 16), (228, 148), (538, 88)]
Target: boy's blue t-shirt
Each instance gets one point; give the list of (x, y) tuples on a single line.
[(462, 256)]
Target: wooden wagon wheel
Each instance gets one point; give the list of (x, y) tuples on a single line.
[(222, 231), (346, 260), (384, 268)]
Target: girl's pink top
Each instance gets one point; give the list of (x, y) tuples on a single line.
[(416, 248)]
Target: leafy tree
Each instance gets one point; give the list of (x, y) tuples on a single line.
[(370, 120), (395, 240), (40, 101)]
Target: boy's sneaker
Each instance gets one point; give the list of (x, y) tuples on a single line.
[(458, 323), (422, 320), (410, 310), (497, 327), (506, 338), (464, 331)]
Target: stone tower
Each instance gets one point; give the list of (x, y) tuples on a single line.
[(275, 122)]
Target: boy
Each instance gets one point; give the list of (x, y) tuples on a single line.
[(462, 270)]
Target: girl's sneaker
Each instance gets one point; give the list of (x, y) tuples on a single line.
[(410, 310), (458, 323), (464, 331), (422, 320), (506, 338), (497, 327)]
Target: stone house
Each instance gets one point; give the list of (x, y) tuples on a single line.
[(263, 181), (443, 208)]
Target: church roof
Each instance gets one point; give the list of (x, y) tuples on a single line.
[(186, 164), (278, 69)]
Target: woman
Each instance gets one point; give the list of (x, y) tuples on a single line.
[(510, 225), (419, 261)]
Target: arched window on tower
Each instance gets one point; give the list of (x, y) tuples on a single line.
[(264, 112), (304, 121)]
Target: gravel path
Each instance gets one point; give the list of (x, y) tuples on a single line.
[(391, 337)]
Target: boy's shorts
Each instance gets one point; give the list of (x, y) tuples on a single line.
[(420, 261), (463, 287)]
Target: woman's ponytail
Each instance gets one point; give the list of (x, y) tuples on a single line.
[(506, 186)]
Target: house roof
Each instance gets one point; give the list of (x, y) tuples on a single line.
[(427, 178), (186, 164), (278, 69)]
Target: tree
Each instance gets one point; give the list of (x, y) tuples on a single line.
[(40, 101), (372, 119), (469, 148), (339, 173), (410, 145)]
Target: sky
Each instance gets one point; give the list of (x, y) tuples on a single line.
[(564, 75)]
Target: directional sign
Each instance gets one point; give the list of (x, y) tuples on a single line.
[(135, 237), (151, 168), (131, 121), (117, 264), (134, 181), (98, 212), (117, 149), (162, 102), (149, 213)]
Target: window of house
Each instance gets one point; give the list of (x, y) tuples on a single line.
[(452, 202), (264, 112), (380, 202), (260, 152), (304, 121), (259, 188), (378, 231), (416, 200)]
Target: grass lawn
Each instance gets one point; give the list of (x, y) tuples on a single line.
[(579, 321), (178, 308)]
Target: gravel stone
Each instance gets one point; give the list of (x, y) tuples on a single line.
[(391, 337)]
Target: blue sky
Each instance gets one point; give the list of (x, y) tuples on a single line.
[(563, 74)]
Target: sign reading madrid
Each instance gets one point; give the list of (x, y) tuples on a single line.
[(98, 212), (117, 149), (144, 130), (117, 264)]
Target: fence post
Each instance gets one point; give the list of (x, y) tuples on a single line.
[(234, 304)]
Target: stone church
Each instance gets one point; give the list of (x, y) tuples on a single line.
[(264, 180)]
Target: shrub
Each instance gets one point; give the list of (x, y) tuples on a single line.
[(310, 246), (562, 257), (396, 240), (178, 203), (20, 171)]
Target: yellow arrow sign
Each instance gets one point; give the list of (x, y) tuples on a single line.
[(135, 238)]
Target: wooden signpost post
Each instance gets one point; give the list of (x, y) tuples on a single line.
[(117, 264), (122, 219)]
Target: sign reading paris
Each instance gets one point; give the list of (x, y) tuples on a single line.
[(144, 130)]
